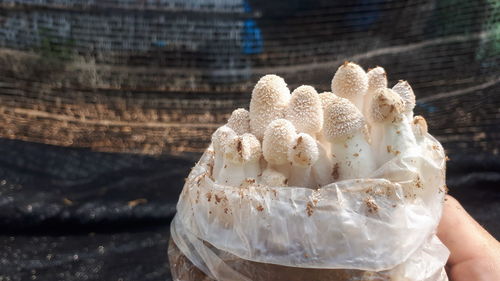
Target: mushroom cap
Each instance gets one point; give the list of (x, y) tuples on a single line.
[(252, 150), (419, 127), (272, 177), (221, 136), (304, 150), (242, 149), (277, 138), (305, 110), (406, 92), (377, 78), (342, 118), (386, 105), (349, 81), (326, 98), (239, 121), (270, 98)]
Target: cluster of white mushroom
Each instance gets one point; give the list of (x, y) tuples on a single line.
[(308, 139)]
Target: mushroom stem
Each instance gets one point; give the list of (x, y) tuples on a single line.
[(353, 157)]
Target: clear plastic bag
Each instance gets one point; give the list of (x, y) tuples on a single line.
[(379, 228)]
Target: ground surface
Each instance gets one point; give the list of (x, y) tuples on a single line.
[(74, 214)]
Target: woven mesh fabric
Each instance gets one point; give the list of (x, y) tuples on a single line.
[(158, 76)]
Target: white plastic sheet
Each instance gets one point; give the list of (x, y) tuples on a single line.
[(383, 226)]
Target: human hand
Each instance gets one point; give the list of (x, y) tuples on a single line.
[(475, 254)]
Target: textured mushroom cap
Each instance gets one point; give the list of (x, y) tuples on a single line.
[(326, 98), (377, 78), (349, 81), (304, 150), (406, 92), (419, 126), (221, 136), (252, 150), (270, 98), (305, 110), (386, 105), (233, 150), (239, 121), (243, 148), (272, 177), (277, 139), (342, 118)]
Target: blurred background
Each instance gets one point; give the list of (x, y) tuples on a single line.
[(106, 105)]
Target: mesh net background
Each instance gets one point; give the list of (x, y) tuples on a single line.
[(105, 106), (158, 76)]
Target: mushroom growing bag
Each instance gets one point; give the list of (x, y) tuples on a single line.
[(372, 229), (369, 200)]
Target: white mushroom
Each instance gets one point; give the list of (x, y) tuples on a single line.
[(252, 153), (350, 82), (419, 127), (391, 127), (278, 137), (305, 111), (377, 79), (239, 121), (326, 98), (406, 93), (271, 177), (344, 128), (303, 153), (241, 160), (270, 98), (322, 170), (219, 139)]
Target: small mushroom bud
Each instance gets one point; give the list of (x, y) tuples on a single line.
[(271, 177), (344, 129), (427, 146), (325, 98), (252, 155), (350, 82), (302, 154), (406, 93), (394, 134), (270, 98), (305, 111), (419, 127), (239, 121), (278, 137), (219, 139), (377, 79), (241, 160)]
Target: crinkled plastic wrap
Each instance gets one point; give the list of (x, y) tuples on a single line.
[(380, 228)]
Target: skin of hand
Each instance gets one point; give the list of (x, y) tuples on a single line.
[(475, 254)]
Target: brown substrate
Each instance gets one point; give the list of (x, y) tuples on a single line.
[(182, 269)]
